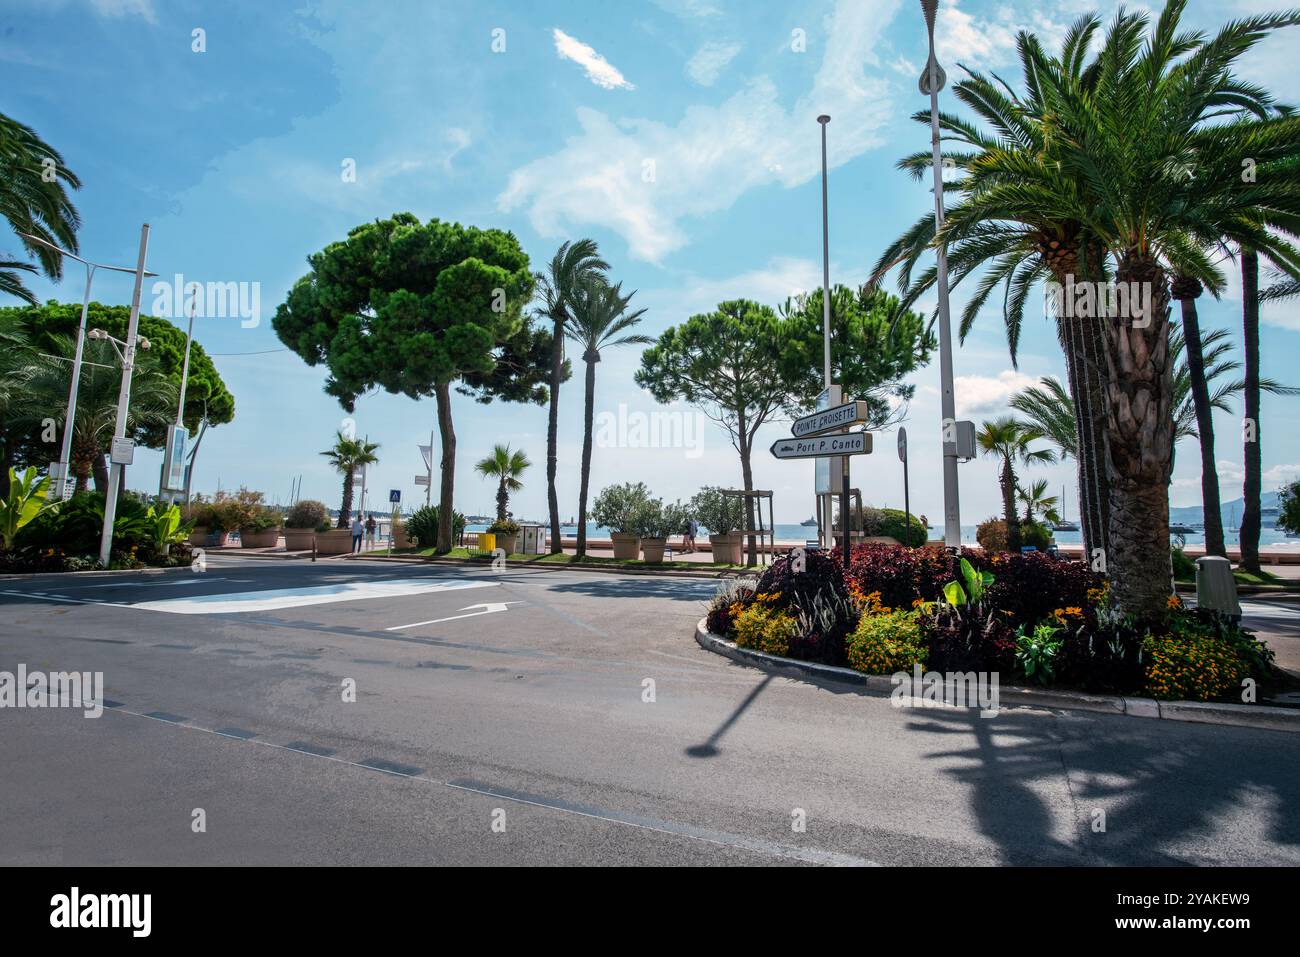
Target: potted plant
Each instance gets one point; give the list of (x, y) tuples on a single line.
[(507, 533), (199, 514), (722, 515), (657, 524), (303, 520), (261, 529), (621, 508)]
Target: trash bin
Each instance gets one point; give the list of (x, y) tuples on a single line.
[(487, 541), (1216, 589)]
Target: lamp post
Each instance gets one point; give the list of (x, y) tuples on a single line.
[(123, 401), (826, 264), (931, 82), (69, 416)]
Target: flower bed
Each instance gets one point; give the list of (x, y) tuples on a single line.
[(1030, 618)]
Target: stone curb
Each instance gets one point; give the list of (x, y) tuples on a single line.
[(543, 566), (1205, 712)]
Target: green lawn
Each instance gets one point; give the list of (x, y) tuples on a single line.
[(1244, 577), (560, 559)]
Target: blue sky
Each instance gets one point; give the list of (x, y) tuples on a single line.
[(234, 156)]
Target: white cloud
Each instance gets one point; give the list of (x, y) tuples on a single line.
[(984, 395), (771, 284), (709, 61), (641, 177), (599, 70)]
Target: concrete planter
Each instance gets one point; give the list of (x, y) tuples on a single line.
[(337, 541), (199, 536), (627, 547), (727, 549), (267, 538), (399, 537), (507, 542), (298, 539), (652, 550)]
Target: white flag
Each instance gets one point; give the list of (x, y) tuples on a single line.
[(427, 452)]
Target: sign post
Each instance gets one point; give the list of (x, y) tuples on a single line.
[(394, 496), (907, 500)]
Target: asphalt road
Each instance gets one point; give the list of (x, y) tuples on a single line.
[(524, 736)]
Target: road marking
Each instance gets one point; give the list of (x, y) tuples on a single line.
[(230, 603), (41, 596), (488, 608), (187, 580)]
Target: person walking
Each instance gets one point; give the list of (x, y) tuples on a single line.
[(370, 531), (357, 530), (688, 539)]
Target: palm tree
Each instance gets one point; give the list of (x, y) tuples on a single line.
[(1008, 439), (600, 319), (506, 466), (153, 401), (1120, 149), (33, 200), (572, 266), (347, 456), (1036, 500), (17, 367)]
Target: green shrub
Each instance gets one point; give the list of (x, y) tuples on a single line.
[(658, 520), (1184, 567), (307, 513), (992, 535), (262, 518), (422, 526), (504, 526), (765, 629), (893, 523), (719, 514), (883, 644), (1036, 651), (622, 508)]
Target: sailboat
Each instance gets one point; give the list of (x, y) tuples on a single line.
[(1064, 525)]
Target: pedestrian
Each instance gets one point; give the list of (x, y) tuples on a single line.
[(357, 530), (688, 539), (370, 530)]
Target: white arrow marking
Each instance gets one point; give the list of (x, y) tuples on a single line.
[(488, 608)]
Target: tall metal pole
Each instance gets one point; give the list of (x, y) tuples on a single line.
[(428, 489), (932, 81), (826, 263), (123, 402), (70, 415)]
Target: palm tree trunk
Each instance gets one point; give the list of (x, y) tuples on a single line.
[(588, 415), (447, 433), (1250, 513), (1081, 340), (345, 509), (503, 497), (552, 435), (1009, 505), (1214, 544), (1140, 443), (6, 461), (100, 469)]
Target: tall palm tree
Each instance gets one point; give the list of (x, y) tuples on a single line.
[(573, 265), (505, 465), (348, 455), (1251, 512), (1036, 501), (1009, 440), (153, 401), (18, 365), (34, 200), (600, 319)]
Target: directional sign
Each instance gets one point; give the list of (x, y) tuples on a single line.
[(849, 443), (902, 445), (422, 480), (488, 608), (831, 420)]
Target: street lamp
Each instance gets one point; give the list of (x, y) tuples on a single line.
[(65, 451), (931, 82), (123, 399)]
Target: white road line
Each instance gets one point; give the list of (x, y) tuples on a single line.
[(188, 580), (71, 601), (268, 600), (488, 608)]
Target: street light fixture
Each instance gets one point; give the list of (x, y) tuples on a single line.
[(931, 82), (65, 452)]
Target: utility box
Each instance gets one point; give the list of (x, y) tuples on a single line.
[(1216, 589), (532, 539)]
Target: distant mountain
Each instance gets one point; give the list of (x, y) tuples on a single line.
[(1195, 514)]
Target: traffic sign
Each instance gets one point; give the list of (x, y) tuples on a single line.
[(422, 480), (394, 495), (848, 443), (831, 420), (902, 445), (121, 451)]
